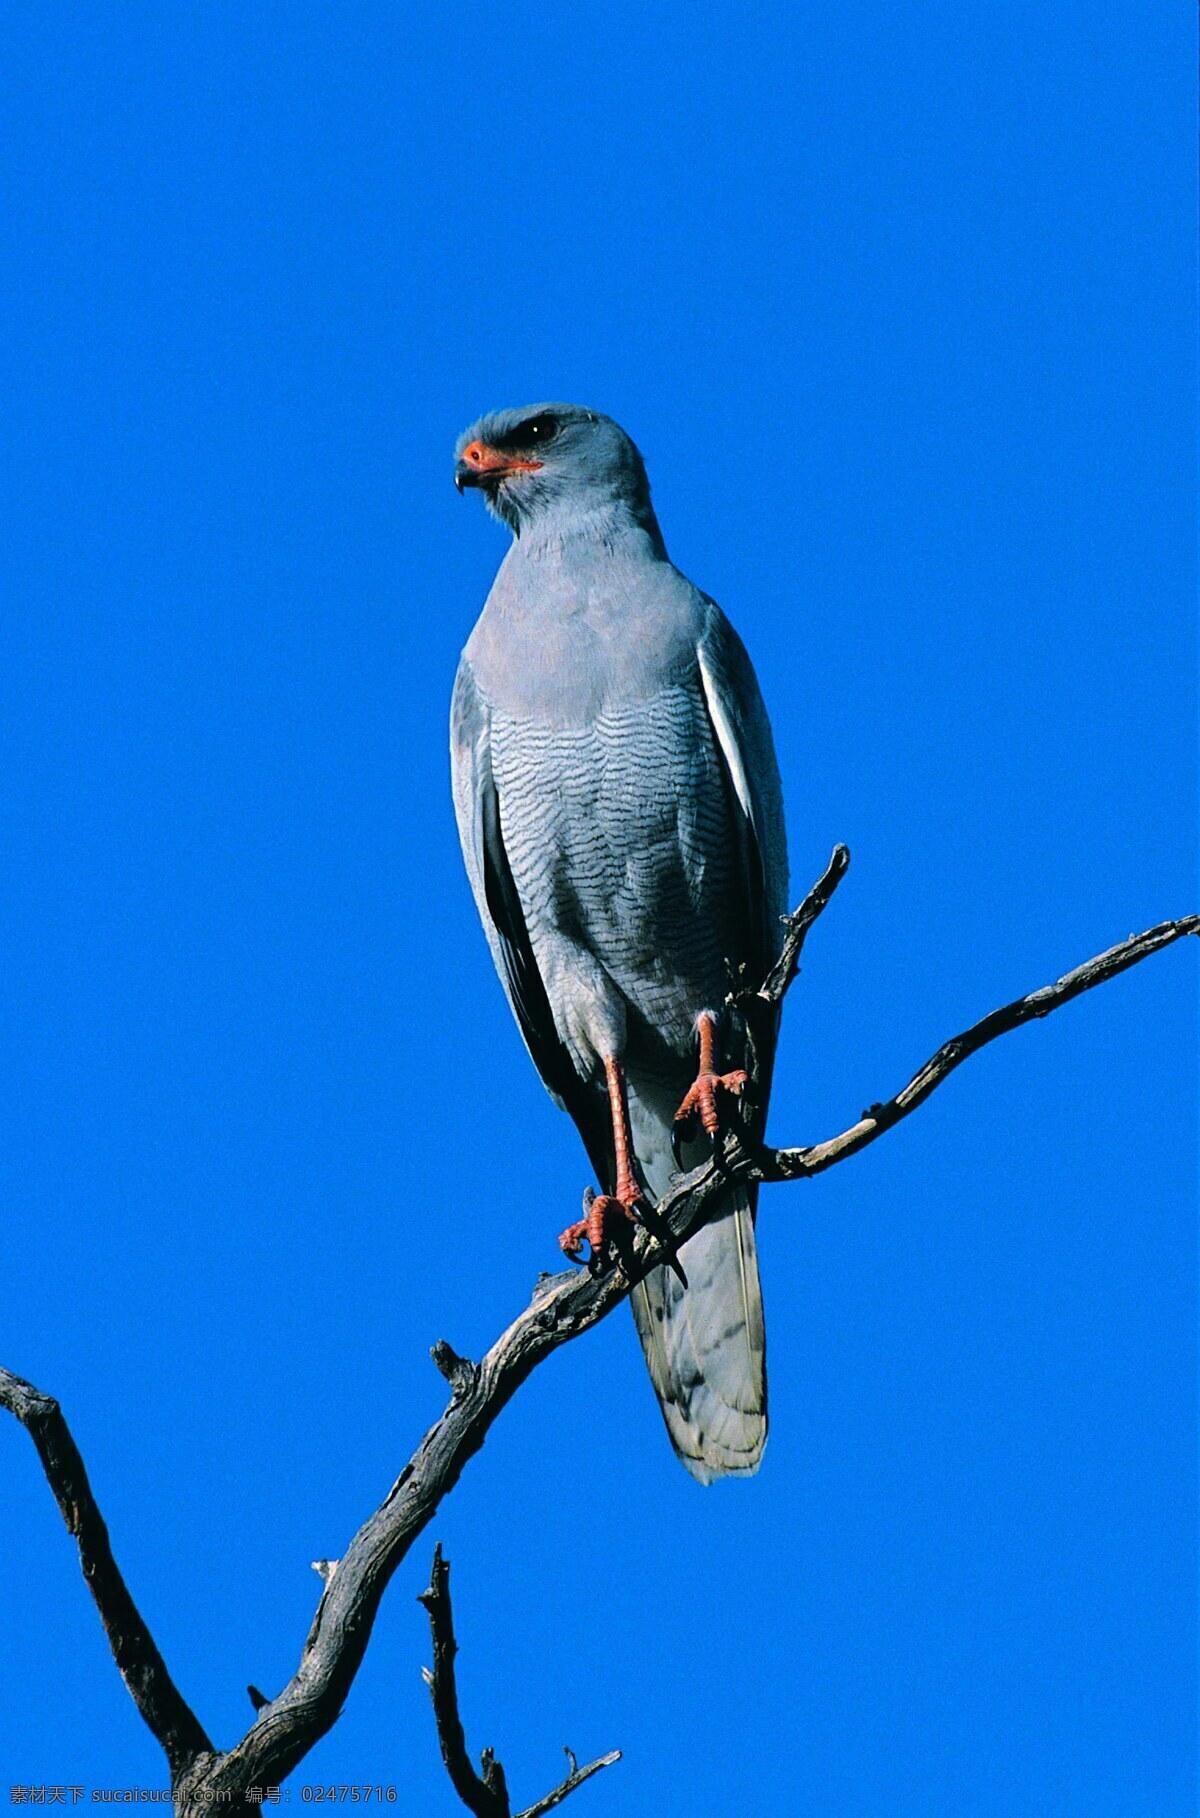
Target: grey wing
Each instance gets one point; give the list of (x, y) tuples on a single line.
[(743, 735), (706, 1345), (479, 812)]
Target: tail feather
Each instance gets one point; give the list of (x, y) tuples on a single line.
[(706, 1347), (705, 1344)]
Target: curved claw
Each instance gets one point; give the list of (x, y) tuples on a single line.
[(700, 1102), (590, 1229), (661, 1232), (570, 1241)]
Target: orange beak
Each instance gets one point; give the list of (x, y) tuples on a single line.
[(479, 465)]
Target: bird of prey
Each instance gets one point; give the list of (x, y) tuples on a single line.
[(620, 811)]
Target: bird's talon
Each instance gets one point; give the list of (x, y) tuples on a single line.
[(599, 1210), (571, 1240), (701, 1100)]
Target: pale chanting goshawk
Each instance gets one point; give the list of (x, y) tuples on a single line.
[(620, 812)]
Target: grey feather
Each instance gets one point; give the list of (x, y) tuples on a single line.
[(621, 818)]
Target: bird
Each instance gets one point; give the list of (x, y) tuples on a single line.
[(620, 811)]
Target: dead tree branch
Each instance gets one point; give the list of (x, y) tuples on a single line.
[(478, 1797), (576, 1777), (168, 1717), (563, 1306), (793, 1164), (775, 985), (486, 1795)]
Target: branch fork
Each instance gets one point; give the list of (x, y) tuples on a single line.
[(562, 1307), (484, 1793)]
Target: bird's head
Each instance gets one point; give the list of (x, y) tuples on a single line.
[(553, 464)]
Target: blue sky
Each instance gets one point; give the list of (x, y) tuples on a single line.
[(898, 303)]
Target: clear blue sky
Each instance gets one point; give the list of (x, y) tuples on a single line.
[(898, 302)]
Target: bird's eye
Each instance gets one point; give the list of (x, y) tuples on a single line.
[(539, 430)]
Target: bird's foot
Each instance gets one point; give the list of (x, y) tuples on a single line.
[(700, 1101), (600, 1213)]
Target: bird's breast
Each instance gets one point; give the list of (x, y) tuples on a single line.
[(570, 645), (617, 835)]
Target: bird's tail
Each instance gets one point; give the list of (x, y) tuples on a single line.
[(706, 1344)]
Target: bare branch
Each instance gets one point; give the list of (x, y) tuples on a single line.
[(494, 1781), (483, 1800), (775, 985), (575, 1778), (459, 1372), (487, 1797), (562, 1307), (760, 1005), (794, 1164), (168, 1717)]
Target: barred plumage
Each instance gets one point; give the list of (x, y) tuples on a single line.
[(621, 818)]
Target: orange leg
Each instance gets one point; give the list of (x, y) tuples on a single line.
[(701, 1097), (628, 1195)]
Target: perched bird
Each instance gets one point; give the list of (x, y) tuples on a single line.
[(620, 812)]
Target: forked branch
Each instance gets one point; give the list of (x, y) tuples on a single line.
[(286, 1727), (486, 1793), (792, 1164)]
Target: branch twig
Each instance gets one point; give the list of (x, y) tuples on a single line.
[(775, 986), (443, 1686), (562, 1307), (793, 1164), (487, 1797), (165, 1712), (575, 1777)]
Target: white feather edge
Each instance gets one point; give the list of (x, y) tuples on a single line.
[(726, 737), (731, 752)]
